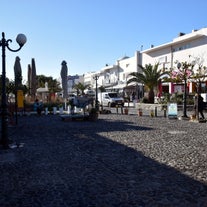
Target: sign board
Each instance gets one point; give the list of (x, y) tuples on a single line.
[(20, 99), (172, 109)]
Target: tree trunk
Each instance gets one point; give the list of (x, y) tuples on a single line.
[(151, 96)]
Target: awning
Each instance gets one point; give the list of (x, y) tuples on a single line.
[(119, 86), (133, 85), (42, 90)]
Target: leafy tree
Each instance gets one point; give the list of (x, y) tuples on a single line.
[(11, 88), (199, 72), (80, 87), (182, 73), (149, 76), (53, 84), (7, 82), (102, 89)]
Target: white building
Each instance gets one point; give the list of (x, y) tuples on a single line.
[(114, 77), (183, 48), (72, 80)]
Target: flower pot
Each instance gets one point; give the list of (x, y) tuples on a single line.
[(126, 111), (61, 110), (93, 114), (46, 111), (152, 113), (139, 112), (54, 110)]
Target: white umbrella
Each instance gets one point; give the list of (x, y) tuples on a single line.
[(64, 75), (17, 80), (17, 73), (33, 80), (29, 76)]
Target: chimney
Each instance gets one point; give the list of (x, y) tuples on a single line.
[(180, 34)]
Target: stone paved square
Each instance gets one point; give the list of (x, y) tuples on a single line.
[(117, 161)]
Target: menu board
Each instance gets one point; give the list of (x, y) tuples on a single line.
[(172, 109)]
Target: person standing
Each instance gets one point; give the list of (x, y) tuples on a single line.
[(38, 107), (199, 105)]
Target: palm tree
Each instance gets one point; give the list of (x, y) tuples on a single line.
[(102, 89), (53, 84), (80, 87), (11, 87), (149, 76)]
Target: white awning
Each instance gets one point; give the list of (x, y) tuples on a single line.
[(42, 90), (119, 86)]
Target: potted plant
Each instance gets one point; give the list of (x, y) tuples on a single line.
[(126, 110), (60, 108), (54, 109), (71, 106), (50, 109), (93, 114), (152, 113), (46, 110), (140, 112)]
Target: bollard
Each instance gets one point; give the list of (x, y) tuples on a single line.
[(121, 110), (140, 112), (165, 112), (117, 109), (126, 110), (152, 113), (155, 111)]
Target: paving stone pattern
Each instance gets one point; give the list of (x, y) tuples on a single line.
[(117, 161)]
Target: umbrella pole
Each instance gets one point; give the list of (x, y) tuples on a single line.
[(65, 104), (16, 107)]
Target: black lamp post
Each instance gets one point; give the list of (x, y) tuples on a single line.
[(21, 40), (185, 99), (179, 65), (198, 97), (96, 77), (200, 77)]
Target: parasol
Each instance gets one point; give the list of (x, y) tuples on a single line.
[(17, 73), (64, 74)]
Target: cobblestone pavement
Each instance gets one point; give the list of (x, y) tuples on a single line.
[(117, 161)]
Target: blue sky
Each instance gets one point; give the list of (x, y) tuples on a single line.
[(88, 34)]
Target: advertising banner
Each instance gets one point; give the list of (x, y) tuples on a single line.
[(20, 99)]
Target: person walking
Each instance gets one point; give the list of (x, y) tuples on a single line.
[(199, 105), (38, 107)]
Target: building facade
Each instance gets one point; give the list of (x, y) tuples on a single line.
[(185, 47), (72, 80)]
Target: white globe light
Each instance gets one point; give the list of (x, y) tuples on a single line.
[(21, 39)]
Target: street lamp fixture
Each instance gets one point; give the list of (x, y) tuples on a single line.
[(21, 40), (96, 77), (179, 65), (185, 71), (199, 76)]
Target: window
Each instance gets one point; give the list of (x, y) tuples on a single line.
[(182, 47)]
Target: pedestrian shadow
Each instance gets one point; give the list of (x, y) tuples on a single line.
[(85, 164)]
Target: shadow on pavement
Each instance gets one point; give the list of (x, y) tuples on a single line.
[(82, 164)]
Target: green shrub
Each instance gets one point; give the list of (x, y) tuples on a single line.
[(144, 100)]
